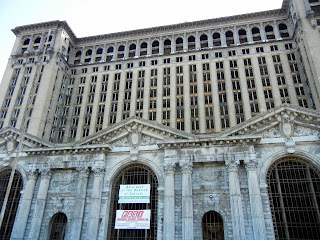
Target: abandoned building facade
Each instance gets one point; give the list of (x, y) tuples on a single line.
[(220, 118)]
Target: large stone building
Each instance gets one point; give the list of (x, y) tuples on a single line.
[(220, 117)]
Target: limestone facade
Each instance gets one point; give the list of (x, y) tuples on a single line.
[(209, 112)]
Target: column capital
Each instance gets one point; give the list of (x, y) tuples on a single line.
[(46, 173), (169, 168), (32, 173), (231, 162), (186, 166), (83, 171), (251, 164), (97, 170)]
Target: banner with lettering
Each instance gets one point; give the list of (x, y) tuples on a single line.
[(132, 219), (134, 193)]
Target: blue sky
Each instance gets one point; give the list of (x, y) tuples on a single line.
[(95, 17)]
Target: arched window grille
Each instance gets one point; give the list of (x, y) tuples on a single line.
[(212, 226), (134, 174), (13, 201), (58, 226), (294, 192)]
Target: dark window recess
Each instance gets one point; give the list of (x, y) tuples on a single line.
[(294, 192), (212, 226), (13, 201), (135, 174), (58, 227)]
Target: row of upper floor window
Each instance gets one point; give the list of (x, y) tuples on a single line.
[(180, 44)]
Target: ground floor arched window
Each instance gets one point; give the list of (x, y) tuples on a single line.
[(294, 192), (212, 226), (13, 201), (134, 175), (58, 226)]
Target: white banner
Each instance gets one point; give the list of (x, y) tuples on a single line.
[(134, 193), (132, 219)]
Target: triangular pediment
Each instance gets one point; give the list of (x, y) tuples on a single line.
[(134, 132), (10, 138), (284, 121)]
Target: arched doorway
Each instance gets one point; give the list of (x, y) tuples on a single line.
[(294, 192), (212, 226), (13, 201), (58, 226), (134, 174)]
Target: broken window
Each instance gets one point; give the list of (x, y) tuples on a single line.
[(191, 43), (243, 36), (269, 32), (216, 39), (134, 174), (229, 38), (179, 44), (143, 49), (132, 50), (167, 46), (294, 193), (283, 30), (256, 36), (155, 47), (204, 41), (12, 204)]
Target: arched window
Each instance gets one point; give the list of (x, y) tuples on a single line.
[(243, 36), (256, 36), (294, 193), (283, 30), (121, 51), (26, 42), (212, 226), (88, 56), (269, 32), (134, 174), (13, 201), (216, 39), (229, 38), (191, 43), (132, 50), (167, 46), (58, 226), (179, 44), (143, 49), (204, 41), (99, 51), (155, 47), (38, 40), (89, 52), (110, 50)]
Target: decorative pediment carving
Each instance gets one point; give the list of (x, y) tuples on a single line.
[(134, 133), (10, 139), (285, 121)]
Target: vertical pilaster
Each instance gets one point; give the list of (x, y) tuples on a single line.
[(81, 194), (20, 224), (94, 213), (187, 203), (40, 204), (235, 198), (258, 222), (169, 203)]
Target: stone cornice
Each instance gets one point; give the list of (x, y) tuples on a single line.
[(44, 26), (68, 150), (132, 33), (209, 142)]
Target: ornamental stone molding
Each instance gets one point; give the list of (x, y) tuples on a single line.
[(82, 171), (169, 168), (286, 125), (46, 173), (186, 166), (231, 162)]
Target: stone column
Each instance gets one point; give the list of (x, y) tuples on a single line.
[(258, 222), (40, 204), (187, 203), (236, 36), (263, 33), (169, 203), (173, 44), (249, 34), (276, 30), (94, 212), (24, 207), (80, 200), (235, 198), (210, 39)]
